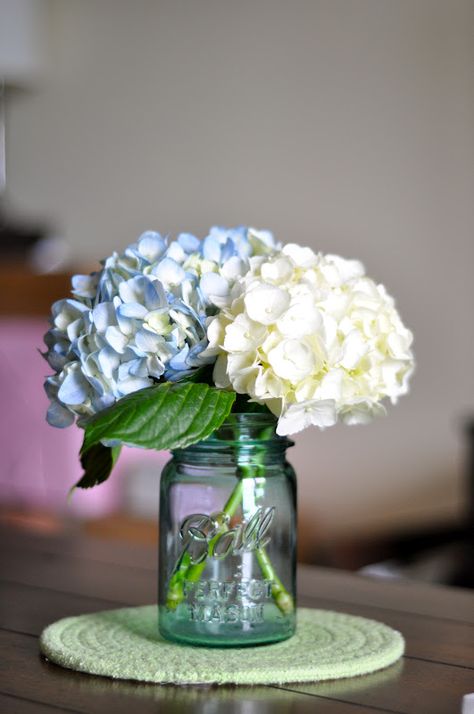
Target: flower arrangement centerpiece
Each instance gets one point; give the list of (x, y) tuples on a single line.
[(219, 349)]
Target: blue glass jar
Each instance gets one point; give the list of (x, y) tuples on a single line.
[(227, 569)]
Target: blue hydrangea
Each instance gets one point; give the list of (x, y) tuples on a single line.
[(143, 317)]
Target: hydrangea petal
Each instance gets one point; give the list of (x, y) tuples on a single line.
[(132, 368), (361, 412), (65, 311), (133, 310), (301, 256), (347, 269), (211, 249), (84, 286), (148, 341), (142, 290), (298, 321), (59, 416), (188, 242), (176, 252), (353, 349), (214, 285), (169, 272), (155, 366), (116, 339), (229, 250), (133, 384), (399, 344), (292, 360), (243, 335), (179, 361), (109, 361), (299, 416), (261, 241), (74, 329), (276, 271), (151, 245), (219, 374), (233, 268), (73, 389), (103, 315), (265, 303)]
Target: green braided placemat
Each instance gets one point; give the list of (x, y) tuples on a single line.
[(125, 644)]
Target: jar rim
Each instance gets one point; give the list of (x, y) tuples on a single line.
[(244, 429), (250, 418)]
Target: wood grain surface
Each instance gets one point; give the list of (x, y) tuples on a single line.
[(44, 578)]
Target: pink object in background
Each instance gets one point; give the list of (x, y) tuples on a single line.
[(39, 463)]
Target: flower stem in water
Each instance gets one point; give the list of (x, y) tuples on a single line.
[(191, 572)]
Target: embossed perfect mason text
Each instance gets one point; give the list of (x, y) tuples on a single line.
[(216, 601)]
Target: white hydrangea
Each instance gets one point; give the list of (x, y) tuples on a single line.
[(313, 338)]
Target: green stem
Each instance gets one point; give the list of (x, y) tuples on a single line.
[(195, 571), (280, 594), (186, 570)]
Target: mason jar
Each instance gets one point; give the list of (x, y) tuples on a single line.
[(227, 567)]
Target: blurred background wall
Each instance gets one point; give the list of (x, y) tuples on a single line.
[(346, 125)]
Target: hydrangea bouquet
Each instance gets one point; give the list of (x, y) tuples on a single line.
[(157, 349), (159, 346)]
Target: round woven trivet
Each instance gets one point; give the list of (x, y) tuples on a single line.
[(125, 644)]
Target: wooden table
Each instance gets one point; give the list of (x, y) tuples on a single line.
[(45, 578)]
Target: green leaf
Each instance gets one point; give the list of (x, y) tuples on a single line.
[(201, 374), (97, 463), (166, 416), (243, 405)]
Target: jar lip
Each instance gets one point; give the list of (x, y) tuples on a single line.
[(249, 418), (247, 426)]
